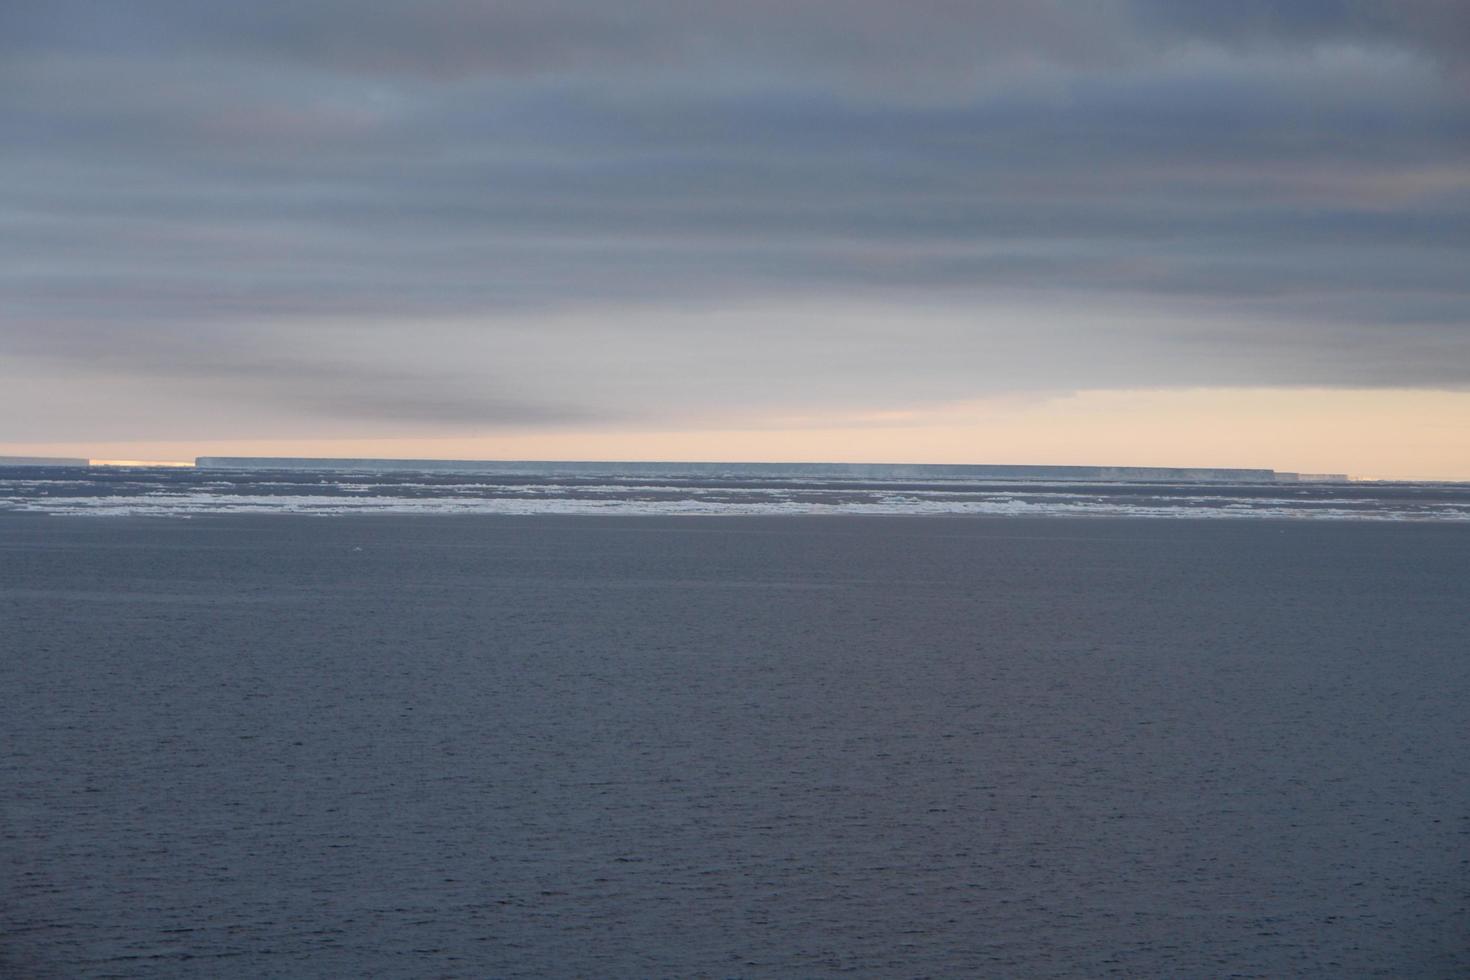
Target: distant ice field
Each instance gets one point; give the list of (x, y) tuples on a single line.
[(184, 493)]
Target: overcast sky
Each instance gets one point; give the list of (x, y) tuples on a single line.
[(225, 223)]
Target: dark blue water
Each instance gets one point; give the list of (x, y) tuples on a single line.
[(277, 746)]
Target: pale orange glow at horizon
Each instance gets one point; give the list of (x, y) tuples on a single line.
[(1367, 433)]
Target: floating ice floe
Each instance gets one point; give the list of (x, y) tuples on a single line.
[(645, 501)]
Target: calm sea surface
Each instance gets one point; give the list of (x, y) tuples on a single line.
[(389, 746)]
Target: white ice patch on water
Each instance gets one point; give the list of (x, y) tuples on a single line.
[(775, 502)]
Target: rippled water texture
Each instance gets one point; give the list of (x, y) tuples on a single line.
[(280, 746)]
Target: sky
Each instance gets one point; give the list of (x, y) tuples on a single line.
[(1129, 232)]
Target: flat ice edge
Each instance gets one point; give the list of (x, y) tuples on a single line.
[(191, 505)]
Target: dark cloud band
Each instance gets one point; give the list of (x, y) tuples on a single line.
[(1263, 185)]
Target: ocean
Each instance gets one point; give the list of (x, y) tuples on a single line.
[(752, 744)]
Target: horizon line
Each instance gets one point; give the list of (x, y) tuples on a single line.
[(225, 462)]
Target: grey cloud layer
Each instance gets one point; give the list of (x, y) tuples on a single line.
[(458, 38), (1264, 185)]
